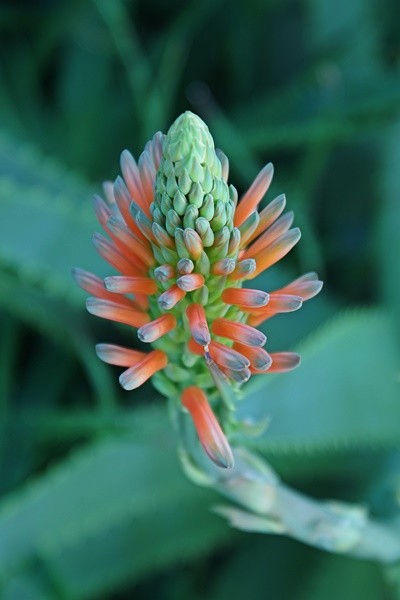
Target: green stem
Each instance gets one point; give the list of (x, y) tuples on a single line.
[(320, 524), (266, 505)]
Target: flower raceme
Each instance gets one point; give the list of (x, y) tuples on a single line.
[(183, 245)]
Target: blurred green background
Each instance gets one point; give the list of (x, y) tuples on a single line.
[(93, 502)]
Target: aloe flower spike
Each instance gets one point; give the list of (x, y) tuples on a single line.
[(182, 243)]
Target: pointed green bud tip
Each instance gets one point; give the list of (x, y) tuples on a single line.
[(172, 222), (180, 202), (188, 135), (190, 179), (190, 217), (196, 195)]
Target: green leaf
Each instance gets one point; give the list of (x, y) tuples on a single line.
[(111, 513), (388, 242), (25, 587), (335, 125), (9, 342), (136, 63), (345, 394), (259, 568), (44, 232), (346, 25), (44, 229), (63, 324), (176, 43), (392, 575), (24, 164), (347, 579)]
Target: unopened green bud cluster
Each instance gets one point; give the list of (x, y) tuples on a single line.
[(190, 190), (193, 232)]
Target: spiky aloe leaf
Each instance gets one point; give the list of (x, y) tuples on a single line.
[(344, 394), (90, 522)]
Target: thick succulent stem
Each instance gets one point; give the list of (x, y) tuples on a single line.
[(264, 504)]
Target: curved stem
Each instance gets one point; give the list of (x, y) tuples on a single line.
[(332, 527), (269, 506)]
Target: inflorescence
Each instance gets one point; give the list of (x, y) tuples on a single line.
[(183, 246)]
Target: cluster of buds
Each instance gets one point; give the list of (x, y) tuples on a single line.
[(183, 246)]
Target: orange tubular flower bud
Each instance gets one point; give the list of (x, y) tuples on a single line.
[(128, 245), (225, 266), (155, 329), (243, 269), (118, 355), (284, 361), (269, 215), (306, 287), (133, 181), (123, 201), (239, 376), (190, 282), (131, 285), (210, 434), (245, 297), (228, 357), (111, 254), (140, 372), (170, 298), (284, 302), (128, 242), (114, 311), (282, 225), (185, 266), (238, 332), (280, 303), (198, 324), (254, 195), (275, 251), (164, 273), (95, 286), (258, 357)]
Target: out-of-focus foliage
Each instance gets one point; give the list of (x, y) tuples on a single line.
[(93, 502)]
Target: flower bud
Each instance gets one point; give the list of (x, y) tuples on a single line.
[(208, 429)]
